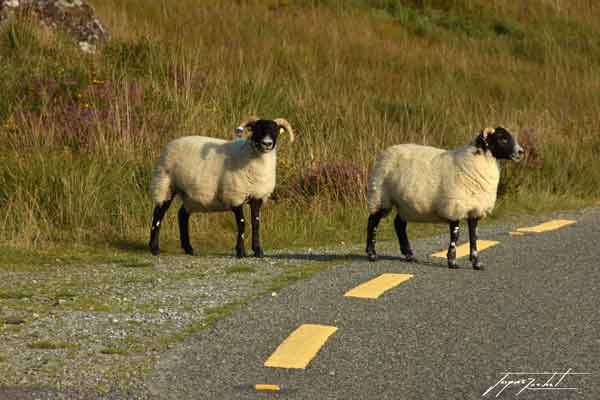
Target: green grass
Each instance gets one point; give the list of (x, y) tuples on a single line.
[(49, 345), (295, 273), (113, 351), (15, 294), (241, 269), (91, 303), (80, 133)]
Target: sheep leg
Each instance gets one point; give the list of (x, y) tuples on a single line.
[(454, 231), (400, 227), (183, 217), (240, 250), (473, 244), (159, 213), (372, 233), (255, 205)]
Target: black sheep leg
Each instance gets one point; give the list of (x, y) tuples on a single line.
[(183, 217), (372, 233), (400, 227), (473, 244), (255, 205), (159, 213), (240, 250), (454, 231)]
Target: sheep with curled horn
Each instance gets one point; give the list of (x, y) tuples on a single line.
[(215, 175), (428, 184)]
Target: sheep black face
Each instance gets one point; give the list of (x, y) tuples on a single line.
[(264, 135), (501, 143)]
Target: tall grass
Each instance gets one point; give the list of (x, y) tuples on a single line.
[(79, 133)]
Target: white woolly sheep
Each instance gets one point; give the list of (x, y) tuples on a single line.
[(427, 184), (212, 175)]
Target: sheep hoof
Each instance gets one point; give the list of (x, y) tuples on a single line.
[(259, 253), (452, 265), (478, 266), (189, 251), (410, 258), (240, 253), (372, 256), (155, 251)]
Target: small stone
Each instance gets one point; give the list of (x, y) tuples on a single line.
[(14, 321), (161, 310), (273, 294)]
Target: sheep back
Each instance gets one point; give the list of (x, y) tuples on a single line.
[(428, 184), (212, 174)]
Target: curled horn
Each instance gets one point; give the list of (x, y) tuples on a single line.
[(480, 140), (487, 131), (285, 125), (247, 122)]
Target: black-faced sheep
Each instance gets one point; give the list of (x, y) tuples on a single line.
[(427, 184), (212, 175)]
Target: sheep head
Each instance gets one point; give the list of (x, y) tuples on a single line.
[(501, 143), (264, 132)]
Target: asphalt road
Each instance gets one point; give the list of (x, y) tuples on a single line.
[(444, 334)]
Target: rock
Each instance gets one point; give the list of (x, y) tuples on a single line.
[(74, 16), (14, 321)]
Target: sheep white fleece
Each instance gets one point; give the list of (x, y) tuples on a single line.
[(212, 174), (427, 184)]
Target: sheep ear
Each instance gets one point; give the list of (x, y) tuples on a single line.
[(247, 123), (284, 124), (482, 138)]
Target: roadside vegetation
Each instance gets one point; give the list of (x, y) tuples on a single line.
[(79, 133)]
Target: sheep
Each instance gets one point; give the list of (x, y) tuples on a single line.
[(428, 184), (214, 175)]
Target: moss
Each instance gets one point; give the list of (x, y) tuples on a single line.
[(15, 294), (49, 345), (113, 351), (241, 269), (89, 303)]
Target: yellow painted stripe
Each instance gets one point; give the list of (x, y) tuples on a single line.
[(516, 233), (300, 347), (261, 386), (376, 287), (548, 226), (463, 249)]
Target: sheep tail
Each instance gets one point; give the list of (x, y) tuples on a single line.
[(160, 185), (375, 192)]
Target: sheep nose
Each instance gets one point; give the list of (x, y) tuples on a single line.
[(267, 142), (518, 153)]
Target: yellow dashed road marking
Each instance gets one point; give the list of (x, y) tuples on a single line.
[(261, 386), (548, 226), (300, 347), (463, 249), (376, 287), (516, 233)]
